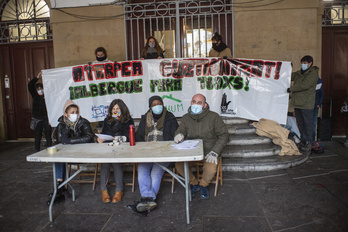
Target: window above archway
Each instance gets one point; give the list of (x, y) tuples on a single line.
[(24, 21)]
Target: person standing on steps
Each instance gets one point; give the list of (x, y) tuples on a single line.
[(303, 99)]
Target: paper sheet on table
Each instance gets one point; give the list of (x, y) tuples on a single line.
[(187, 144), (105, 137)]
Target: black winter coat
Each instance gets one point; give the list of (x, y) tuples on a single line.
[(81, 134), (169, 128), (153, 55), (39, 105), (117, 128)]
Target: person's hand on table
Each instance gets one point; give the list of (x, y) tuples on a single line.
[(211, 157), (100, 140), (179, 138)]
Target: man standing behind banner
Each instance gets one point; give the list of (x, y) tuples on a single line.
[(201, 123), (303, 99), (219, 48)]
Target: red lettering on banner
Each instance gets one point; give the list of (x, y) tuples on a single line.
[(107, 70)]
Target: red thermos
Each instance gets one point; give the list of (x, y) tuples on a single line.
[(131, 135)]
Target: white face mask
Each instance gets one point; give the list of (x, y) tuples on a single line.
[(151, 45), (40, 92), (73, 117)]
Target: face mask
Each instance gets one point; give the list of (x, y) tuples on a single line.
[(73, 118), (151, 45), (40, 92), (196, 109), (304, 67), (101, 58), (214, 45), (116, 114), (157, 109)]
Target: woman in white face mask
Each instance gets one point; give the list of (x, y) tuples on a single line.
[(152, 49), (72, 129)]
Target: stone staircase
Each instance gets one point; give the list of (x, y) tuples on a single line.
[(246, 151)]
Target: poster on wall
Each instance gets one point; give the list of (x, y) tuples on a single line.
[(245, 88)]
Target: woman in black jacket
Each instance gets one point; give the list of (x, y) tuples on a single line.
[(156, 125), (39, 122), (72, 129), (115, 124)]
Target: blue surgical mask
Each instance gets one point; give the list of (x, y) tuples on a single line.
[(157, 109), (304, 67), (196, 109)]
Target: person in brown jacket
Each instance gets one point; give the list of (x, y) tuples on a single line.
[(219, 48), (201, 123)]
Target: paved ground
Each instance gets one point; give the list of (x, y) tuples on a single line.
[(310, 197)]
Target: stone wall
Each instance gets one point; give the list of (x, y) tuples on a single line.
[(75, 40), (284, 31)]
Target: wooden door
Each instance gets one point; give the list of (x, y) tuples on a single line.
[(21, 63), (335, 73)]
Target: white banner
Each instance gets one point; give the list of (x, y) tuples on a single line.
[(244, 88)]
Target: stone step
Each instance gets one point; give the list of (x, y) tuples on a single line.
[(230, 121), (262, 163), (251, 151), (240, 129), (250, 139)]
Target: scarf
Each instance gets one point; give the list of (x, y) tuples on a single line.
[(150, 121), (221, 47)]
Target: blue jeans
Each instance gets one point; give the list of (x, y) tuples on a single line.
[(315, 118), (60, 170), (149, 178)]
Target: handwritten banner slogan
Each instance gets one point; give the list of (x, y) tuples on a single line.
[(245, 88)]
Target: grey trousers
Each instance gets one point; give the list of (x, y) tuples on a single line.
[(118, 176)]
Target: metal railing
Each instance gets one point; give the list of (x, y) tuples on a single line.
[(183, 28), (335, 13)]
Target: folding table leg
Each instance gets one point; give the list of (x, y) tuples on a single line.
[(188, 193), (54, 192)]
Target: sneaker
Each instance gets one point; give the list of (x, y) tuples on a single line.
[(146, 204), (306, 147), (204, 193), (194, 189), (134, 210), (346, 143)]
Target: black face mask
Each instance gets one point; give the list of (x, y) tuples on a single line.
[(214, 45), (101, 58)]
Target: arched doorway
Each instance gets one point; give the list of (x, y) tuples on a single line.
[(26, 48)]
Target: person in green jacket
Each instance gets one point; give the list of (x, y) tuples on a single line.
[(201, 123), (303, 99)]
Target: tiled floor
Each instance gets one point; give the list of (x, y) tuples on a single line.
[(310, 197)]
